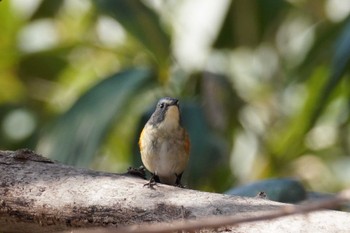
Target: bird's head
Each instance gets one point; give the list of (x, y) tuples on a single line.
[(166, 114)]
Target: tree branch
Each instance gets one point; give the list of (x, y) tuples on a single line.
[(222, 221), (38, 195)]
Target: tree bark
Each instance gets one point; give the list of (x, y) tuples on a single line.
[(39, 195)]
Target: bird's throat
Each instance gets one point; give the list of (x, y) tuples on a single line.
[(172, 118)]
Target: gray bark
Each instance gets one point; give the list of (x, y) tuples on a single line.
[(38, 195)]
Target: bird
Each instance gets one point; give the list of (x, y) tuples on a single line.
[(164, 144)]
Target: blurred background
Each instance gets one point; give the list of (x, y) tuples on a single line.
[(263, 84)]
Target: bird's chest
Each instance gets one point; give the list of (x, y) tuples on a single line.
[(166, 150), (166, 145), (163, 151)]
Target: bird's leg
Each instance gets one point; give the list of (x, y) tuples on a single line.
[(153, 181), (178, 180)]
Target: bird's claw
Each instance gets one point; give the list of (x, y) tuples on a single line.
[(152, 182)]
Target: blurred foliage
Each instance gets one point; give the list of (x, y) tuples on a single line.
[(80, 78)]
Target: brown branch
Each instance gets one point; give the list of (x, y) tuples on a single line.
[(38, 195), (215, 222)]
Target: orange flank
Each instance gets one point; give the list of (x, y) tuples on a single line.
[(140, 139)]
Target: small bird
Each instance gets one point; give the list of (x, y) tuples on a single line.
[(164, 144)]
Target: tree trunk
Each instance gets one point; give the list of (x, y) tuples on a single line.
[(39, 195)]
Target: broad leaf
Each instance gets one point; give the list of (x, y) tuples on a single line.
[(77, 134), (340, 64), (46, 64), (142, 23), (47, 9), (289, 143), (247, 22)]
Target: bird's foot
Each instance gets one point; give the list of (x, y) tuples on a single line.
[(152, 182), (178, 181), (180, 185)]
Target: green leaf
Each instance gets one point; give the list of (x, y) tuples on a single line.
[(47, 9), (46, 64), (269, 14), (289, 142), (142, 23), (10, 25), (247, 21), (340, 64), (78, 134), (327, 33)]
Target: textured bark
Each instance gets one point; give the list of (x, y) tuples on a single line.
[(38, 195)]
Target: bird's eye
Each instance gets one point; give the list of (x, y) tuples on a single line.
[(161, 105)]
